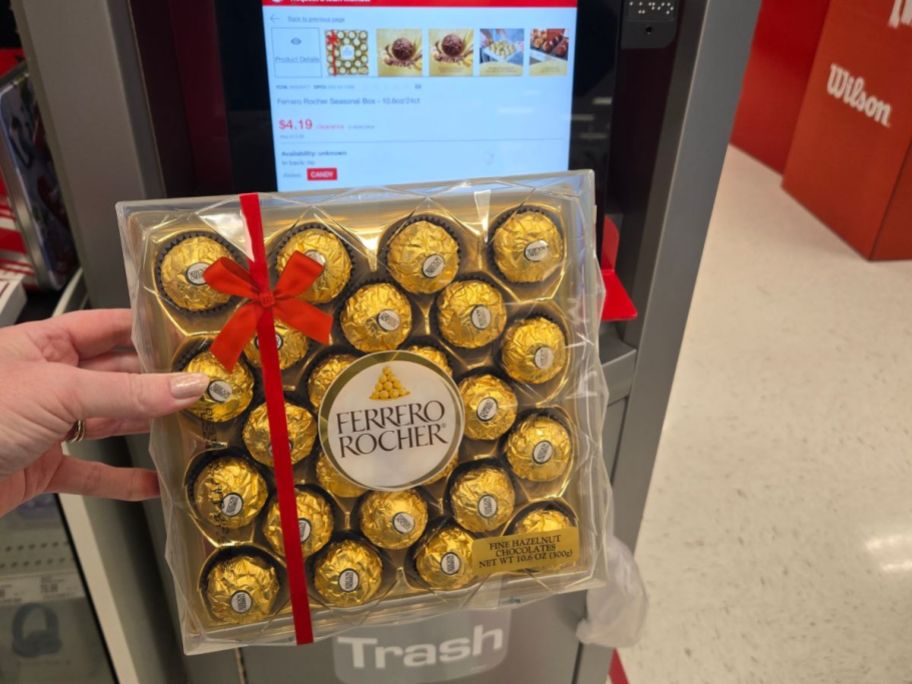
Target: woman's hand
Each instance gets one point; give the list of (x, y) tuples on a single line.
[(79, 366)]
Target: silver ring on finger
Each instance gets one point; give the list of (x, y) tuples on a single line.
[(76, 433)]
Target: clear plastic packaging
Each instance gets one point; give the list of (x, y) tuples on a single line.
[(446, 442)]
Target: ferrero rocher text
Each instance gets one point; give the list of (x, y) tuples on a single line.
[(388, 429)]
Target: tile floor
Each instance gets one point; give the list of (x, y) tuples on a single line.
[(777, 540)]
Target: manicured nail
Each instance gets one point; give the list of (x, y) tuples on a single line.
[(188, 385)]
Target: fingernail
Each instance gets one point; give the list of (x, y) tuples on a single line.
[(188, 385)]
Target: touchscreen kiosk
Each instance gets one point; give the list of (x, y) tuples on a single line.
[(392, 91)]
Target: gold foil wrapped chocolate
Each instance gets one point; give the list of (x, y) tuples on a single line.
[(229, 492), (393, 520), (241, 589), (471, 313), (181, 273), (445, 473), (528, 247), (482, 498), (539, 448), (335, 482), (542, 520), (546, 520), (348, 573), (315, 523), (323, 375), (534, 350), (229, 392), (292, 345), (433, 355), (328, 251), (423, 257), (490, 406), (302, 431), (444, 559), (376, 317)]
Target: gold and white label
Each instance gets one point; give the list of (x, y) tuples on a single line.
[(391, 420), (527, 551)]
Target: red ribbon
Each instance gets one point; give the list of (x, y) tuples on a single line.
[(257, 317), (230, 277)]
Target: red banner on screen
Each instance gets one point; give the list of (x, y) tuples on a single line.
[(326, 174)]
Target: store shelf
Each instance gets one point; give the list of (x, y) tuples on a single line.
[(36, 560)]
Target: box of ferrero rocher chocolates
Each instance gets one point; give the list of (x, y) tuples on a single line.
[(445, 438)]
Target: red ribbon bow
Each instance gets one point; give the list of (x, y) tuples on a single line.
[(257, 317), (299, 274)]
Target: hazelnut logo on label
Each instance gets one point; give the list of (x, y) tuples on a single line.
[(433, 266), (232, 504), (481, 317), (304, 529), (403, 523), (388, 320), (536, 251), (487, 506), (390, 421), (487, 409), (543, 358), (316, 256), (219, 391), (194, 273), (450, 563), (349, 580), (542, 452), (279, 341), (241, 602)]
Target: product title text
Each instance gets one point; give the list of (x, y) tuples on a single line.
[(384, 429)]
